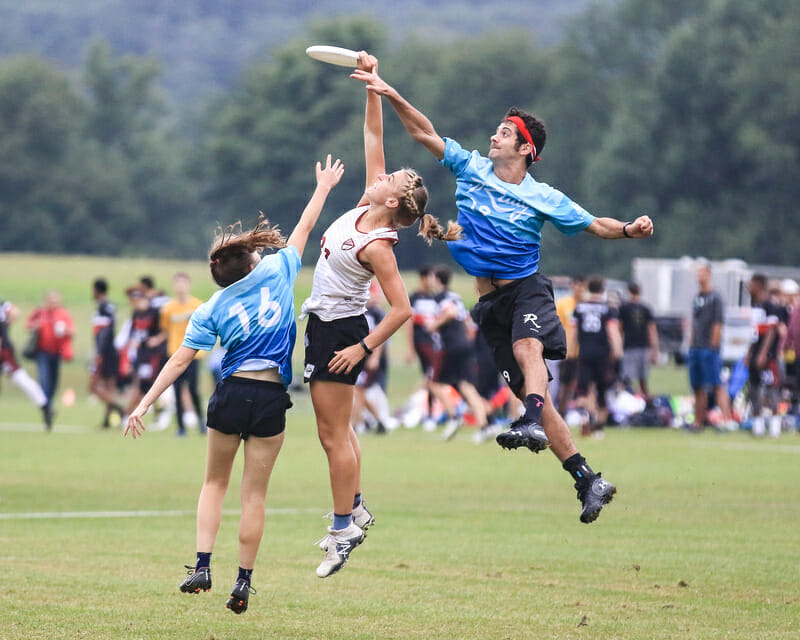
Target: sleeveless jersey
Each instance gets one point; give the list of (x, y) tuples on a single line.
[(501, 221), (253, 318), (341, 283)]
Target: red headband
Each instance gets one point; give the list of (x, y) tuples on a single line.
[(525, 133)]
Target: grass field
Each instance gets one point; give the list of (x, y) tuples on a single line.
[(470, 541)]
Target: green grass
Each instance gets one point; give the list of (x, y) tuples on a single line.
[(470, 541)]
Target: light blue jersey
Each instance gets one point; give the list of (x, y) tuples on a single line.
[(253, 318), (502, 221)]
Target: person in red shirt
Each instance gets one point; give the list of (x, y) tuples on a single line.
[(55, 329)]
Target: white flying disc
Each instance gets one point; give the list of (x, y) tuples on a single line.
[(334, 55)]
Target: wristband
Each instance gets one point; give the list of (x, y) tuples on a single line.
[(625, 230), (365, 347)]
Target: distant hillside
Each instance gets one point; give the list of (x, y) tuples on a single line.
[(204, 43)]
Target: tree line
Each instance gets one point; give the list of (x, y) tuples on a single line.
[(684, 110)]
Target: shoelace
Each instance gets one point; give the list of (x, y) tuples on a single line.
[(322, 539), (192, 570), (249, 587)]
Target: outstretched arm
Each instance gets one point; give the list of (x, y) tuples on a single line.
[(373, 125), (327, 178), (612, 229), (417, 124), (175, 366)]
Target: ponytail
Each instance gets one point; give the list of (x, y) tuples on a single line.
[(430, 229)]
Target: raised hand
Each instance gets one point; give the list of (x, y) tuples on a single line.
[(329, 175)]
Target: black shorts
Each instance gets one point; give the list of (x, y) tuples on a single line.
[(323, 339), (108, 365), (568, 371), (245, 407), (599, 371), (522, 309), (457, 366), (430, 359)]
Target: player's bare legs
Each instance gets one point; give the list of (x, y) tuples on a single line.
[(222, 450), (332, 405)]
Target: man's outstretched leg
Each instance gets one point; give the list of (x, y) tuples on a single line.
[(594, 491)]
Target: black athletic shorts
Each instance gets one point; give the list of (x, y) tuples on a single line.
[(457, 366), (430, 359), (323, 339), (597, 370), (521, 309), (246, 407)]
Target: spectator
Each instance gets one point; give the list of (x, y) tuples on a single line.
[(144, 343), (705, 363), (426, 344), (459, 367), (174, 318), (791, 346), (762, 358), (105, 368), (568, 369), (596, 326), (639, 340), (9, 365), (55, 328)]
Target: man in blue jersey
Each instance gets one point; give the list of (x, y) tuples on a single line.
[(502, 209)]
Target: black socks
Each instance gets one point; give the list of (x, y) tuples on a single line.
[(534, 403), (578, 469)]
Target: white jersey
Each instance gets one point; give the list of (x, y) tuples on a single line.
[(341, 283)]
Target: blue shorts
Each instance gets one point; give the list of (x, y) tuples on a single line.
[(704, 368)]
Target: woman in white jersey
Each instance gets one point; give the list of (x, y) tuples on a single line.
[(355, 248), (253, 317)]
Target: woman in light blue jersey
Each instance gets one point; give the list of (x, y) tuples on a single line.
[(253, 318)]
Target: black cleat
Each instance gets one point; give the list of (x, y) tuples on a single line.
[(237, 602), (524, 433), (594, 495), (198, 580), (47, 414)]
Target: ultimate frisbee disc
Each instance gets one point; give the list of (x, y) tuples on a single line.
[(334, 55)]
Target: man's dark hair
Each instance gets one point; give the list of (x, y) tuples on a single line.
[(147, 281), (424, 270), (535, 128), (100, 286), (760, 279), (633, 288), (443, 275), (596, 284)]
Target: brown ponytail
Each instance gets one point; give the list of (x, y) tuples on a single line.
[(231, 253), (430, 229), (412, 208)]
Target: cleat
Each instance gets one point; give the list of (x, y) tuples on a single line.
[(524, 433), (594, 495), (240, 594), (362, 518), (198, 580), (47, 414), (451, 428), (339, 546)]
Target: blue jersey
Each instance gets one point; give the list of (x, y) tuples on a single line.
[(253, 318), (502, 221)]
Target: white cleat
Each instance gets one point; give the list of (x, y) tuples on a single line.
[(339, 546)]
